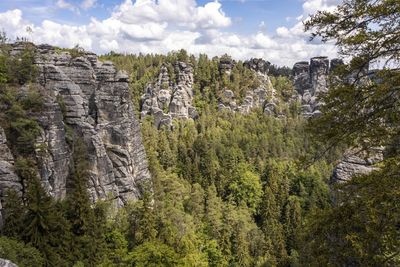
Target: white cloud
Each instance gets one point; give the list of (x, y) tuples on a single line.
[(312, 6), (151, 26), (86, 4), (65, 5), (182, 12)]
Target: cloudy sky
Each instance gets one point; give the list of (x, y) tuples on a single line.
[(271, 29)]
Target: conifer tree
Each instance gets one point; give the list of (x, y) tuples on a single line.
[(14, 212), (85, 227)]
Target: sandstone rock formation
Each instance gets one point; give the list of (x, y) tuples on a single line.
[(7, 263), (166, 99), (97, 107), (352, 164), (356, 164), (226, 64), (258, 65), (311, 79), (8, 178), (263, 96)]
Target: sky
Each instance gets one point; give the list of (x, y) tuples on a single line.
[(268, 29)]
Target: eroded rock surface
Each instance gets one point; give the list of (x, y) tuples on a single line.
[(264, 96), (8, 177), (258, 65), (96, 106), (226, 64), (167, 99), (7, 263), (310, 80), (356, 164)]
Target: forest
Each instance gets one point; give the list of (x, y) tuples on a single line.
[(227, 189)]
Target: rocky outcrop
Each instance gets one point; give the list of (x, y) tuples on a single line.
[(319, 70), (7, 263), (258, 65), (91, 99), (8, 177), (167, 99), (310, 80), (226, 64), (261, 97), (353, 164), (264, 96), (356, 164)]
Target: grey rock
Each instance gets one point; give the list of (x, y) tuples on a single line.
[(270, 109), (319, 68), (356, 164), (255, 98), (307, 96), (167, 100), (7, 263), (306, 109), (258, 65), (311, 80), (226, 64), (301, 75), (98, 108), (316, 113), (228, 95), (8, 177)]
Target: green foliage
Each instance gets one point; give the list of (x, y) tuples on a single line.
[(20, 126), (246, 187), (17, 69), (226, 188), (231, 184), (13, 214), (19, 253), (44, 222), (88, 225), (153, 254), (284, 86), (363, 229), (361, 111), (74, 52)]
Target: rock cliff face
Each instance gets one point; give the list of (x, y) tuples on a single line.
[(258, 65), (352, 164), (97, 107), (167, 99), (264, 96), (356, 164), (7, 263), (226, 64), (310, 79), (8, 178)]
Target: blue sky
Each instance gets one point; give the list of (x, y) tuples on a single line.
[(271, 29)]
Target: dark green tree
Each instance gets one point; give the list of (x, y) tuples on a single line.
[(43, 223), (361, 111), (87, 223), (14, 211)]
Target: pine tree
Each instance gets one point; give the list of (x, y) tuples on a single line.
[(85, 227), (14, 212), (43, 224)]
